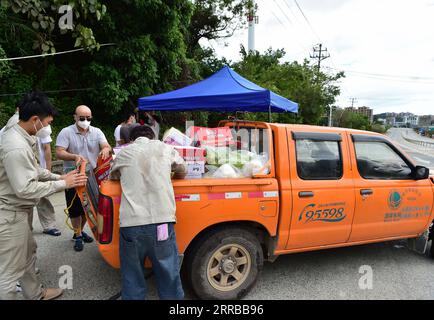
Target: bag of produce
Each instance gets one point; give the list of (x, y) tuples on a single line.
[(258, 165), (227, 171)]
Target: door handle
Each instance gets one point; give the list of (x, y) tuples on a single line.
[(306, 194), (366, 192)]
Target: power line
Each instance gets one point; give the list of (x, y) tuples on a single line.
[(415, 78), (283, 25), (277, 18), (284, 13), (49, 91), (52, 54), (294, 15), (307, 20)]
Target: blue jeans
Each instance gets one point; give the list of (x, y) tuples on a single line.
[(137, 243)]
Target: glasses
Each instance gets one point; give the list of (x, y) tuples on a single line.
[(82, 118)]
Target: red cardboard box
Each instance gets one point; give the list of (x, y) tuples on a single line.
[(191, 153), (213, 137)]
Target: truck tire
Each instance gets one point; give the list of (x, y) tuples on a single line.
[(224, 264)]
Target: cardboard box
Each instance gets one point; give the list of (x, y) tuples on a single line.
[(175, 137), (191, 153), (212, 137), (195, 167), (193, 176)]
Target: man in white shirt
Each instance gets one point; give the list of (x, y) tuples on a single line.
[(46, 212), (148, 214), (154, 123), (129, 118), (76, 143)]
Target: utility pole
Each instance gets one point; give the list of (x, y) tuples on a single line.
[(330, 116), (320, 53), (353, 100), (252, 19)]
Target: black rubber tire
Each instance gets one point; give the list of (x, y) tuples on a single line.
[(195, 268)]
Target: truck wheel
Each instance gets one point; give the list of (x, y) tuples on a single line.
[(225, 264)]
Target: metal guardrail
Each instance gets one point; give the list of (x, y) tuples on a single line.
[(426, 144)]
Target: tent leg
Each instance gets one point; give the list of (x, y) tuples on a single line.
[(269, 114)]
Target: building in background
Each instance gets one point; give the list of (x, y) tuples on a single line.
[(426, 121), (364, 111)]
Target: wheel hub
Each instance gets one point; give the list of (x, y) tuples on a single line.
[(228, 265)]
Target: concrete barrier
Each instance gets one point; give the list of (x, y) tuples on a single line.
[(425, 144)]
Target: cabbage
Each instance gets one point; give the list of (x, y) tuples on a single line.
[(221, 156)]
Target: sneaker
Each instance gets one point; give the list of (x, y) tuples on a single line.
[(51, 294), (18, 287), (85, 236), (78, 244)]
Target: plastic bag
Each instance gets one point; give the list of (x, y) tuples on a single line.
[(239, 158), (256, 166), (217, 155), (227, 171)]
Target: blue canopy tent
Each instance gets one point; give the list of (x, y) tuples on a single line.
[(224, 91)]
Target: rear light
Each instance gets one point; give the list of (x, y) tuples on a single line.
[(105, 209)]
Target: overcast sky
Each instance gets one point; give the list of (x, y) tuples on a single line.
[(386, 47)]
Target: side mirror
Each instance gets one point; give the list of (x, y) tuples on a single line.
[(421, 173)]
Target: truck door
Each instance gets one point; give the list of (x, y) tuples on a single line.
[(389, 202), (322, 190)]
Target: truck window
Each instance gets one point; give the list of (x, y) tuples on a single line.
[(378, 161), (319, 160)]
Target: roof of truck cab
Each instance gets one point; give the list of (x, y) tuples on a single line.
[(306, 128), (310, 128)]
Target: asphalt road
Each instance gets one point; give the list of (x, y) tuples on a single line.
[(423, 156), (398, 273)]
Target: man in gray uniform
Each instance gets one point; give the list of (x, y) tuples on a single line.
[(22, 184), (46, 213)]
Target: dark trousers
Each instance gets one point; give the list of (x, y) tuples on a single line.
[(138, 243)]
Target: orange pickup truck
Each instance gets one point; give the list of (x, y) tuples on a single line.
[(325, 188)]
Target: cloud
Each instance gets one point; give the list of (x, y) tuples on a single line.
[(387, 37), (321, 5)]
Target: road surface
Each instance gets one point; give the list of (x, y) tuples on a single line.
[(423, 156)]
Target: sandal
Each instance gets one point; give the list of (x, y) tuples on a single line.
[(53, 232), (86, 238)]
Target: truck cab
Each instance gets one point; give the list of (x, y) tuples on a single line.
[(323, 188)]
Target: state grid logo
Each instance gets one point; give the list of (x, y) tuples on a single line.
[(394, 200)]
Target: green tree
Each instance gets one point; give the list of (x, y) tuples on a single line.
[(39, 19), (147, 58), (301, 83), (348, 119)]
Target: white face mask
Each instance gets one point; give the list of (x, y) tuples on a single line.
[(84, 124), (44, 132)]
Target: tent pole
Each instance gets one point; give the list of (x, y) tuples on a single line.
[(269, 113)]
